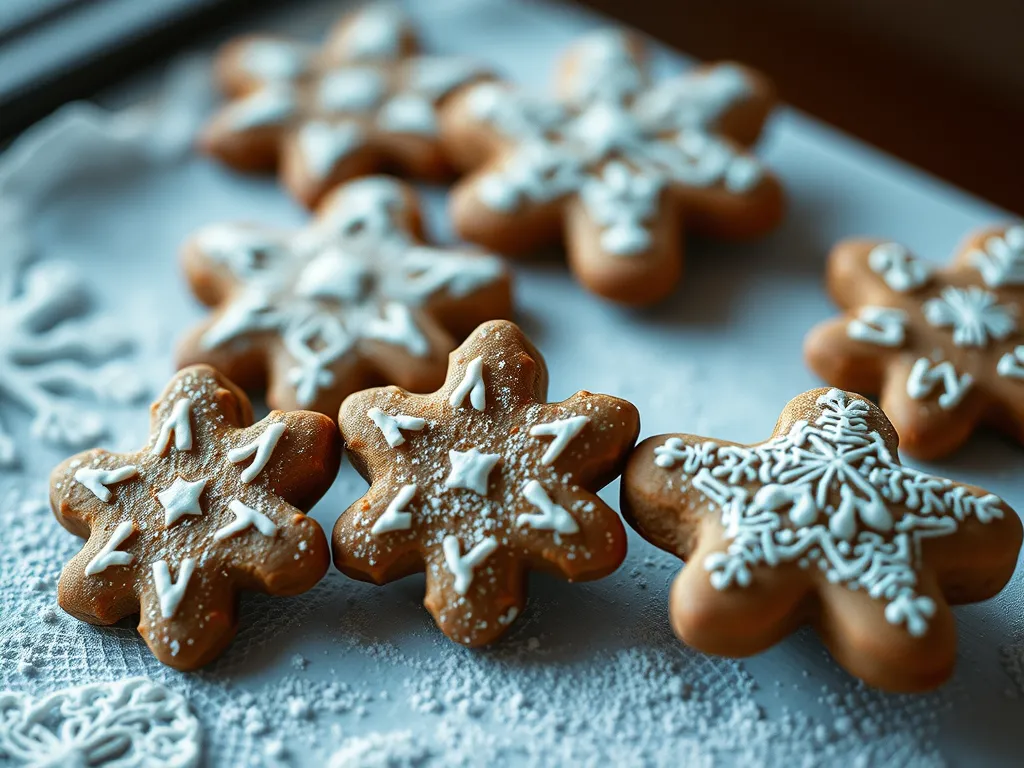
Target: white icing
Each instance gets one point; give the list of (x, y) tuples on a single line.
[(323, 145), (97, 480), (351, 90), (551, 517), (353, 275), (169, 593), (275, 59), (604, 69), (472, 384), (396, 517), (375, 32), (108, 555), (408, 113), (1001, 260), (271, 106), (436, 76), (398, 327), (898, 267), (330, 276), (248, 314), (563, 430), (179, 424), (315, 342), (884, 326), (428, 271), (263, 448), (180, 499), (974, 314), (1011, 365), (462, 566), (390, 426), (623, 203), (926, 375), (695, 100), (471, 470), (860, 539), (245, 517), (615, 143)]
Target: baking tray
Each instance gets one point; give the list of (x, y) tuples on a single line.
[(590, 674)]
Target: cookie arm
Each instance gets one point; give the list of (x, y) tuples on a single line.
[(597, 453), (855, 628), (744, 205), (247, 133), (843, 361), (295, 455), (203, 623), (633, 262), (737, 620), (486, 209), (598, 541), (933, 407), (478, 608), (320, 154)]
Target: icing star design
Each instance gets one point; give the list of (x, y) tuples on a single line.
[(361, 103), (354, 299), (181, 498), (821, 524), (178, 551), (476, 495), (619, 162), (943, 348)]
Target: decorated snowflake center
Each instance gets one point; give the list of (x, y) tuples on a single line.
[(480, 480), (355, 288), (942, 347), (827, 494), (176, 529), (363, 101)]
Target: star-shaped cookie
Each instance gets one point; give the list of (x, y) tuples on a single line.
[(355, 299), (482, 480), (213, 504), (821, 525), (942, 348), (615, 166), (363, 103)]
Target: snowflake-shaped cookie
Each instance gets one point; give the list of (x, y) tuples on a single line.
[(821, 524), (943, 348), (482, 480), (617, 165), (362, 103), (355, 299), (212, 505), (52, 348)]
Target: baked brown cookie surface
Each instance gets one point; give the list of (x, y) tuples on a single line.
[(362, 103), (615, 166), (821, 525), (353, 300), (942, 348), (482, 480), (213, 504)]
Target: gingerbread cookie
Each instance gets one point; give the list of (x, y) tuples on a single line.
[(482, 480), (616, 166), (821, 525), (943, 348), (213, 504), (354, 300), (363, 103)]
